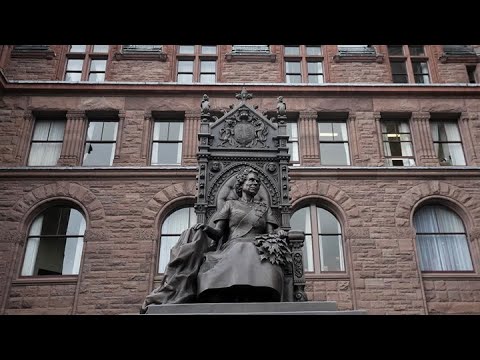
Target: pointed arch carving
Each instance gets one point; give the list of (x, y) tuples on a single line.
[(413, 196), (164, 196), (64, 190)]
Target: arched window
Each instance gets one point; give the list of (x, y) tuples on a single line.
[(55, 243), (172, 227), (441, 240), (323, 248)]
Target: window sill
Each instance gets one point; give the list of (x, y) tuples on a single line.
[(451, 276), (367, 58), (141, 55), (46, 280), (259, 57), (462, 59), (326, 276)]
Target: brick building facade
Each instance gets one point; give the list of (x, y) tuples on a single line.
[(384, 146)]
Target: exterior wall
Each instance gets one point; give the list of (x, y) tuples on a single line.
[(125, 206)]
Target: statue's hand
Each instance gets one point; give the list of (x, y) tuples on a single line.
[(200, 226), (282, 233)]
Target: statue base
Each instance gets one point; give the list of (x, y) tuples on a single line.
[(259, 308)]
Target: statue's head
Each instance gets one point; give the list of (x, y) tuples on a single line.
[(242, 177)]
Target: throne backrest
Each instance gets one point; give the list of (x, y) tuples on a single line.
[(241, 138)]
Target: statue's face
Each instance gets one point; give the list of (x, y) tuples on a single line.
[(251, 184)]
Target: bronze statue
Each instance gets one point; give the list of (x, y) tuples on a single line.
[(230, 260)]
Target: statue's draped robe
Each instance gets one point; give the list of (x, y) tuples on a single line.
[(194, 274)]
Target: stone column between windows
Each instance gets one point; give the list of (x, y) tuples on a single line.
[(466, 119), (25, 136), (190, 139), (118, 140), (378, 126), (73, 138), (352, 131), (146, 136), (422, 139), (308, 138)]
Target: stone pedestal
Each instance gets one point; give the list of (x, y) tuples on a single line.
[(264, 308)]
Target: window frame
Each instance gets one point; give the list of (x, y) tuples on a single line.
[(304, 59), (409, 59), (166, 119), (54, 118), (88, 55), (385, 132), (317, 252), (169, 213), (461, 141), (196, 57), (55, 277), (114, 142), (348, 152), (452, 210)]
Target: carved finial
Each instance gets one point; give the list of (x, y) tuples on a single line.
[(281, 106), (244, 95), (205, 105)]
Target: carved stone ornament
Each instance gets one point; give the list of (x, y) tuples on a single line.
[(244, 129)]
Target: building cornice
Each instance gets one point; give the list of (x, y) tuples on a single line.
[(23, 87), (189, 172)]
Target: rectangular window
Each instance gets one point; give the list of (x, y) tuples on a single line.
[(167, 143), (303, 64), (86, 63), (334, 148), (196, 64), (397, 143), (292, 132), (46, 143), (408, 64), (447, 143), (100, 143)]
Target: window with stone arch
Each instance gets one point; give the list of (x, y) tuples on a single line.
[(441, 240), (54, 243), (323, 248), (174, 224)]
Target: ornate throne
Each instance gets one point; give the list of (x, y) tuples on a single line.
[(244, 137)]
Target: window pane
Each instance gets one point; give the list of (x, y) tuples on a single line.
[(315, 79), (99, 154), (78, 48), (416, 50), (395, 50), (325, 131), (98, 65), (186, 49), (207, 66), (207, 78), (294, 79), (334, 154), (293, 150), (332, 254), (110, 131), (314, 50), (308, 253), (94, 131), (160, 130), (96, 77), (292, 50), (175, 131), (44, 154), (292, 130), (400, 79), (209, 49), (293, 67), (300, 220), (185, 66), (74, 64), (327, 222), (73, 76), (185, 78), (166, 244), (166, 153), (339, 131), (100, 48), (314, 67), (398, 67)]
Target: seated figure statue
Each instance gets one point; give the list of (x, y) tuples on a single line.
[(244, 267)]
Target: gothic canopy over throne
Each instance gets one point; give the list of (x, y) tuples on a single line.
[(241, 138)]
